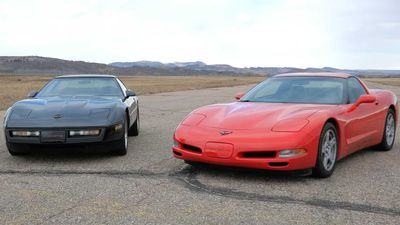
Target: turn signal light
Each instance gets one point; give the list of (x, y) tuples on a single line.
[(291, 153)]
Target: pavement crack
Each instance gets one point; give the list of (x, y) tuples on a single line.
[(48, 219), (188, 177), (132, 173), (194, 184)]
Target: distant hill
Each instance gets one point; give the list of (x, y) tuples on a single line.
[(224, 68), (32, 65)]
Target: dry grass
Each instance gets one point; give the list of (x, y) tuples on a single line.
[(387, 81), (13, 88)]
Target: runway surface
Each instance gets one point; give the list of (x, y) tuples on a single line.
[(149, 186)]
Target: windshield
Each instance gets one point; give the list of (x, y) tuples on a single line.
[(310, 90), (82, 86)]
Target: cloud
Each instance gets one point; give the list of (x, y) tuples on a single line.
[(303, 33)]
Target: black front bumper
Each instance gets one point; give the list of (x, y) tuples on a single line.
[(106, 135)]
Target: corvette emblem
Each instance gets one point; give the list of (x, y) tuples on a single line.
[(57, 116), (225, 132)]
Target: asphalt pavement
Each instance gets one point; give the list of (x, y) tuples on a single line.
[(149, 186)]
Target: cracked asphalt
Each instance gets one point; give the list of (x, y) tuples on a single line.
[(149, 186)]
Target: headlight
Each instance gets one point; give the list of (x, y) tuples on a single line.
[(99, 114), (290, 125), (291, 153), (18, 114), (25, 133), (77, 133), (193, 119)]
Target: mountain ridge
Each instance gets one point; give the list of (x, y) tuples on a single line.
[(31, 65)]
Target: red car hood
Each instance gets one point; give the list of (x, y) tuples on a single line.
[(251, 115)]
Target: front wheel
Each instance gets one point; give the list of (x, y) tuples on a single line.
[(122, 145), (389, 132), (327, 152), (17, 149), (134, 130)]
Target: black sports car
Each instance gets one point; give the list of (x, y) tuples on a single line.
[(74, 110)]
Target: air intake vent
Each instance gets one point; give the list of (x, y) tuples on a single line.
[(191, 148), (278, 164), (177, 153), (269, 154)]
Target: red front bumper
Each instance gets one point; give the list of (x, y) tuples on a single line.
[(249, 149)]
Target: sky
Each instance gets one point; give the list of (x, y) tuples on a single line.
[(352, 34)]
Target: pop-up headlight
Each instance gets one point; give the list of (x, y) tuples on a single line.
[(290, 125), (193, 119)]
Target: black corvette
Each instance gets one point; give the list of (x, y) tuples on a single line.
[(84, 110)]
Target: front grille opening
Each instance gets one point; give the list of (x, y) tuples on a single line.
[(278, 164), (177, 153), (191, 148), (264, 154)]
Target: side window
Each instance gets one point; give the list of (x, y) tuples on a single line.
[(355, 89)]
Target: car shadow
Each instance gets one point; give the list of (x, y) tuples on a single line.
[(237, 173), (75, 152), (276, 176)]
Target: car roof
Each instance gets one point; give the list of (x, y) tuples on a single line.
[(87, 76), (319, 74)]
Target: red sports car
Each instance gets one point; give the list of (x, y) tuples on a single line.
[(291, 121)]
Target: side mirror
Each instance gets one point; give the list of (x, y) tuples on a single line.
[(32, 94), (130, 93), (239, 95), (362, 99)]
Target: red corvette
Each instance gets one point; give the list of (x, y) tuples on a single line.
[(291, 121)]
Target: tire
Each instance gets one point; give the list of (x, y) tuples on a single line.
[(327, 152), (17, 149), (122, 144), (134, 129), (389, 132)]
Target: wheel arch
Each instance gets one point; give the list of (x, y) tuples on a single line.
[(394, 110), (128, 117)]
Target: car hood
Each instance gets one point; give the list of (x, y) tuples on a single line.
[(251, 115), (62, 111)]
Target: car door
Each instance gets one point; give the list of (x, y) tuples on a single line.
[(131, 102), (362, 124)]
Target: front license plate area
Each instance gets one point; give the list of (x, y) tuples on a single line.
[(53, 136)]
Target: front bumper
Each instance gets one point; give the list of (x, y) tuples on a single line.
[(107, 134), (248, 149)]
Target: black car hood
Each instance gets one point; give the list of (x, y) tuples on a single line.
[(63, 112)]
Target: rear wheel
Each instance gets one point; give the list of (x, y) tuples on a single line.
[(122, 144), (17, 149), (389, 132), (134, 130), (327, 152)]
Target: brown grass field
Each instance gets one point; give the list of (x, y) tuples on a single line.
[(393, 81), (13, 88)]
